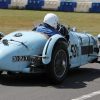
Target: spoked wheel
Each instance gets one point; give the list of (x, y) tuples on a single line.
[(58, 66), (60, 63)]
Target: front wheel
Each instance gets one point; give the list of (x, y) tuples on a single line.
[(58, 67)]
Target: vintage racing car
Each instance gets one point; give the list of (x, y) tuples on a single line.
[(34, 52)]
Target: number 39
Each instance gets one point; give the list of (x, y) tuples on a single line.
[(74, 50)]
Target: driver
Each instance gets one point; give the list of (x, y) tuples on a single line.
[(51, 25)]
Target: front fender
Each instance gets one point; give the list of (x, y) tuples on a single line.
[(48, 48)]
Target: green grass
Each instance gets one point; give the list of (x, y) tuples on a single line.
[(12, 20)]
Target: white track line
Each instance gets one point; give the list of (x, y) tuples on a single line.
[(84, 97)]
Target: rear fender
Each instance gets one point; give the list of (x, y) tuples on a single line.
[(48, 48)]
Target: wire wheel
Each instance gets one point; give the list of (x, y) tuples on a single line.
[(60, 63), (58, 67)]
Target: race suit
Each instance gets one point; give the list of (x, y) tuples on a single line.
[(47, 29)]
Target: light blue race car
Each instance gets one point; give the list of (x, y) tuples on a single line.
[(34, 52)]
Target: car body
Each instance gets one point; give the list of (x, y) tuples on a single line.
[(34, 52)]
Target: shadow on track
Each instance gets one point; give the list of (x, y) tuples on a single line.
[(76, 79), (79, 78)]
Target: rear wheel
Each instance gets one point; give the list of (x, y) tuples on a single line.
[(58, 66), (11, 73)]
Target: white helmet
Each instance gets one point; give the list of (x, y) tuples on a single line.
[(51, 19)]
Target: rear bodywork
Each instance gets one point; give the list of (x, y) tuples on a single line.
[(16, 53)]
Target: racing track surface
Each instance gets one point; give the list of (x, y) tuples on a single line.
[(82, 84)]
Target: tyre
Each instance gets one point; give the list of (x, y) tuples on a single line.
[(11, 73), (94, 61), (58, 67)]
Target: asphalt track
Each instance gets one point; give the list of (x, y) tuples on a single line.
[(81, 84)]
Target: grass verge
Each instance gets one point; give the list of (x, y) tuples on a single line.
[(12, 20)]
